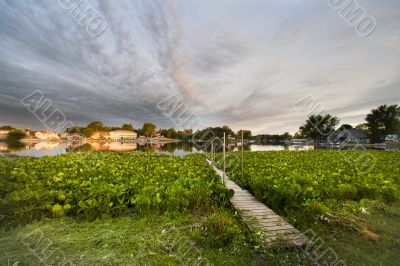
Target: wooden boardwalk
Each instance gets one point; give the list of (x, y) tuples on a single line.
[(258, 216)]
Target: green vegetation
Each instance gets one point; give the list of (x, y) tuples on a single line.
[(148, 129), (6, 127), (292, 180), (143, 240), (16, 135), (124, 209), (128, 127), (96, 126), (317, 127), (383, 121), (333, 193), (96, 185)]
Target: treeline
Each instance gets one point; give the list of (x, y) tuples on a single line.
[(96, 126), (379, 123), (147, 130)]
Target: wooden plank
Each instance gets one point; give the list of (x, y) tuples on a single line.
[(258, 215)]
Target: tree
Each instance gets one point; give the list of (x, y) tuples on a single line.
[(149, 129), (345, 126), (246, 134), (163, 132), (128, 127), (16, 135), (88, 132), (383, 121), (286, 136), (362, 126), (184, 134), (228, 132), (96, 126), (317, 127), (75, 130), (171, 133), (298, 135), (275, 139), (7, 128)]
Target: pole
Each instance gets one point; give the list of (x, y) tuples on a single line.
[(242, 154), (212, 152), (224, 159)]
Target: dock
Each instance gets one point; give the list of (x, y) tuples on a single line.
[(258, 216)]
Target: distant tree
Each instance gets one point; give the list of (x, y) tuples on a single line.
[(298, 135), (75, 130), (16, 135), (148, 129), (362, 126), (228, 132), (318, 127), (383, 121), (274, 139), (188, 131), (7, 128), (184, 134), (88, 132), (95, 126), (163, 132), (345, 126), (246, 134), (128, 127), (213, 132), (171, 133), (286, 136)]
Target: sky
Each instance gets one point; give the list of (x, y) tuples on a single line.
[(242, 63)]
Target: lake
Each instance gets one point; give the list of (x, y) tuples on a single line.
[(40, 149)]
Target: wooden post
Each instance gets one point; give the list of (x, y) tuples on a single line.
[(212, 152), (242, 154), (224, 158)]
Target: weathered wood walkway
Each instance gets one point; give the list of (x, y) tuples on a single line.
[(258, 216)]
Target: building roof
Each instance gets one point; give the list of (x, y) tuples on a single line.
[(357, 133)]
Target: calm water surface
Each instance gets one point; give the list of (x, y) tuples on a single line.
[(41, 149)]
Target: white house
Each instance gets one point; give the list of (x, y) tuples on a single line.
[(3, 134), (392, 138), (100, 135), (123, 135), (47, 135)]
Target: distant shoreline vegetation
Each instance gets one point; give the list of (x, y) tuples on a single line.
[(381, 122)]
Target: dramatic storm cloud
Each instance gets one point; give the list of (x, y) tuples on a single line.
[(243, 63)]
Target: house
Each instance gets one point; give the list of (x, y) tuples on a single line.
[(73, 136), (123, 135), (98, 135), (46, 135), (351, 135), (3, 134), (392, 138)]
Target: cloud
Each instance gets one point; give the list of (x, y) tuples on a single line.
[(221, 51), (215, 59)]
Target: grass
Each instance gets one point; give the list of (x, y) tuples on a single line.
[(359, 245), (365, 232), (146, 240), (361, 229)]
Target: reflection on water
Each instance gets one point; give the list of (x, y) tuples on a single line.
[(256, 147), (40, 149)]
